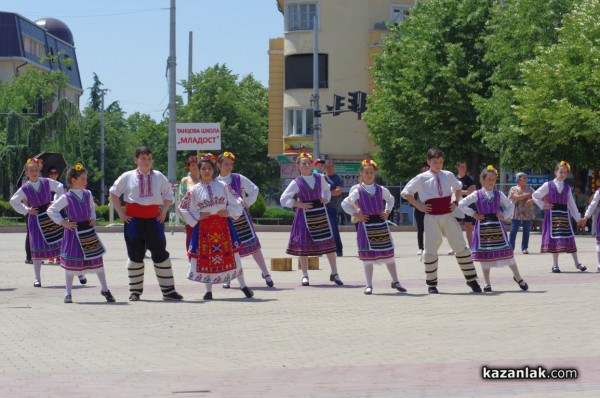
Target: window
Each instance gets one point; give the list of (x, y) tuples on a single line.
[(33, 47), (399, 12), (301, 16), (299, 122), (299, 71)]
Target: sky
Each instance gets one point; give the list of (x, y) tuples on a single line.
[(126, 42)]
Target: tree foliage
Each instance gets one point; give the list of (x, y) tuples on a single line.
[(558, 102), (241, 106), (516, 33), (430, 68)]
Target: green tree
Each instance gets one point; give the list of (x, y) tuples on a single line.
[(216, 96), (516, 33), (558, 102), (430, 69)]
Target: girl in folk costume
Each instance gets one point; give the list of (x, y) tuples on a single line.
[(81, 249), (371, 204), (243, 225), (311, 233), (556, 199), (33, 199), (186, 184), (214, 246), (588, 214), (490, 245)]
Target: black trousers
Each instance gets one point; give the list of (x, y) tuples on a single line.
[(143, 234)]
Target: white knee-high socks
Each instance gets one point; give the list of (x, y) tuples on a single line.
[(37, 270)]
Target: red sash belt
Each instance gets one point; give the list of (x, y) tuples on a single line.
[(141, 211), (439, 206)]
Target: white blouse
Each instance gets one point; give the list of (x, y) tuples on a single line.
[(544, 190), (288, 196), (425, 184), (354, 195), (209, 198), (128, 186), (508, 205), (248, 187), (18, 200), (63, 201), (593, 204)]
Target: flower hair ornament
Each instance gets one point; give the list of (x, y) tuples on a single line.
[(208, 156), (491, 168), (229, 155), (35, 161), (370, 162), (78, 167), (306, 155), (565, 164)]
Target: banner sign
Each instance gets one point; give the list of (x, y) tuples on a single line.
[(198, 136)]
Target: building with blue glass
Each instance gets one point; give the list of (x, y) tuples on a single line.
[(23, 43)]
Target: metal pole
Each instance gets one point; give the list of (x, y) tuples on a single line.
[(190, 56), (316, 110), (172, 161), (500, 163), (102, 182)]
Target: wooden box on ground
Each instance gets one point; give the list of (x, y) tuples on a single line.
[(313, 262), (281, 264)]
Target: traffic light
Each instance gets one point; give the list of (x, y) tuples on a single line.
[(338, 103), (353, 101), (362, 105)]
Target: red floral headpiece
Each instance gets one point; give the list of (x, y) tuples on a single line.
[(208, 156), (229, 155), (305, 155), (491, 168), (565, 164), (37, 161), (370, 162)]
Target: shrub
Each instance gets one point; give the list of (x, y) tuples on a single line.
[(287, 216), (6, 210), (102, 212), (258, 208)]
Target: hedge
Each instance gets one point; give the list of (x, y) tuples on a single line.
[(287, 216), (6, 210)]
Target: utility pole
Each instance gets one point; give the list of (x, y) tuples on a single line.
[(102, 181), (500, 163), (190, 57), (171, 65), (315, 99)]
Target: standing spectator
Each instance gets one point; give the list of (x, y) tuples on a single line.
[(581, 201), (524, 214), (420, 220), (468, 187), (335, 185)]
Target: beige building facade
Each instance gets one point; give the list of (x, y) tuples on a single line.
[(350, 32)]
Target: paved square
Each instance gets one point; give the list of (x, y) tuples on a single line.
[(294, 341)]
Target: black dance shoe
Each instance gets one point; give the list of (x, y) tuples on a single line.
[(269, 281), (108, 296), (398, 287), (336, 278), (247, 291), (173, 296), (474, 285)]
